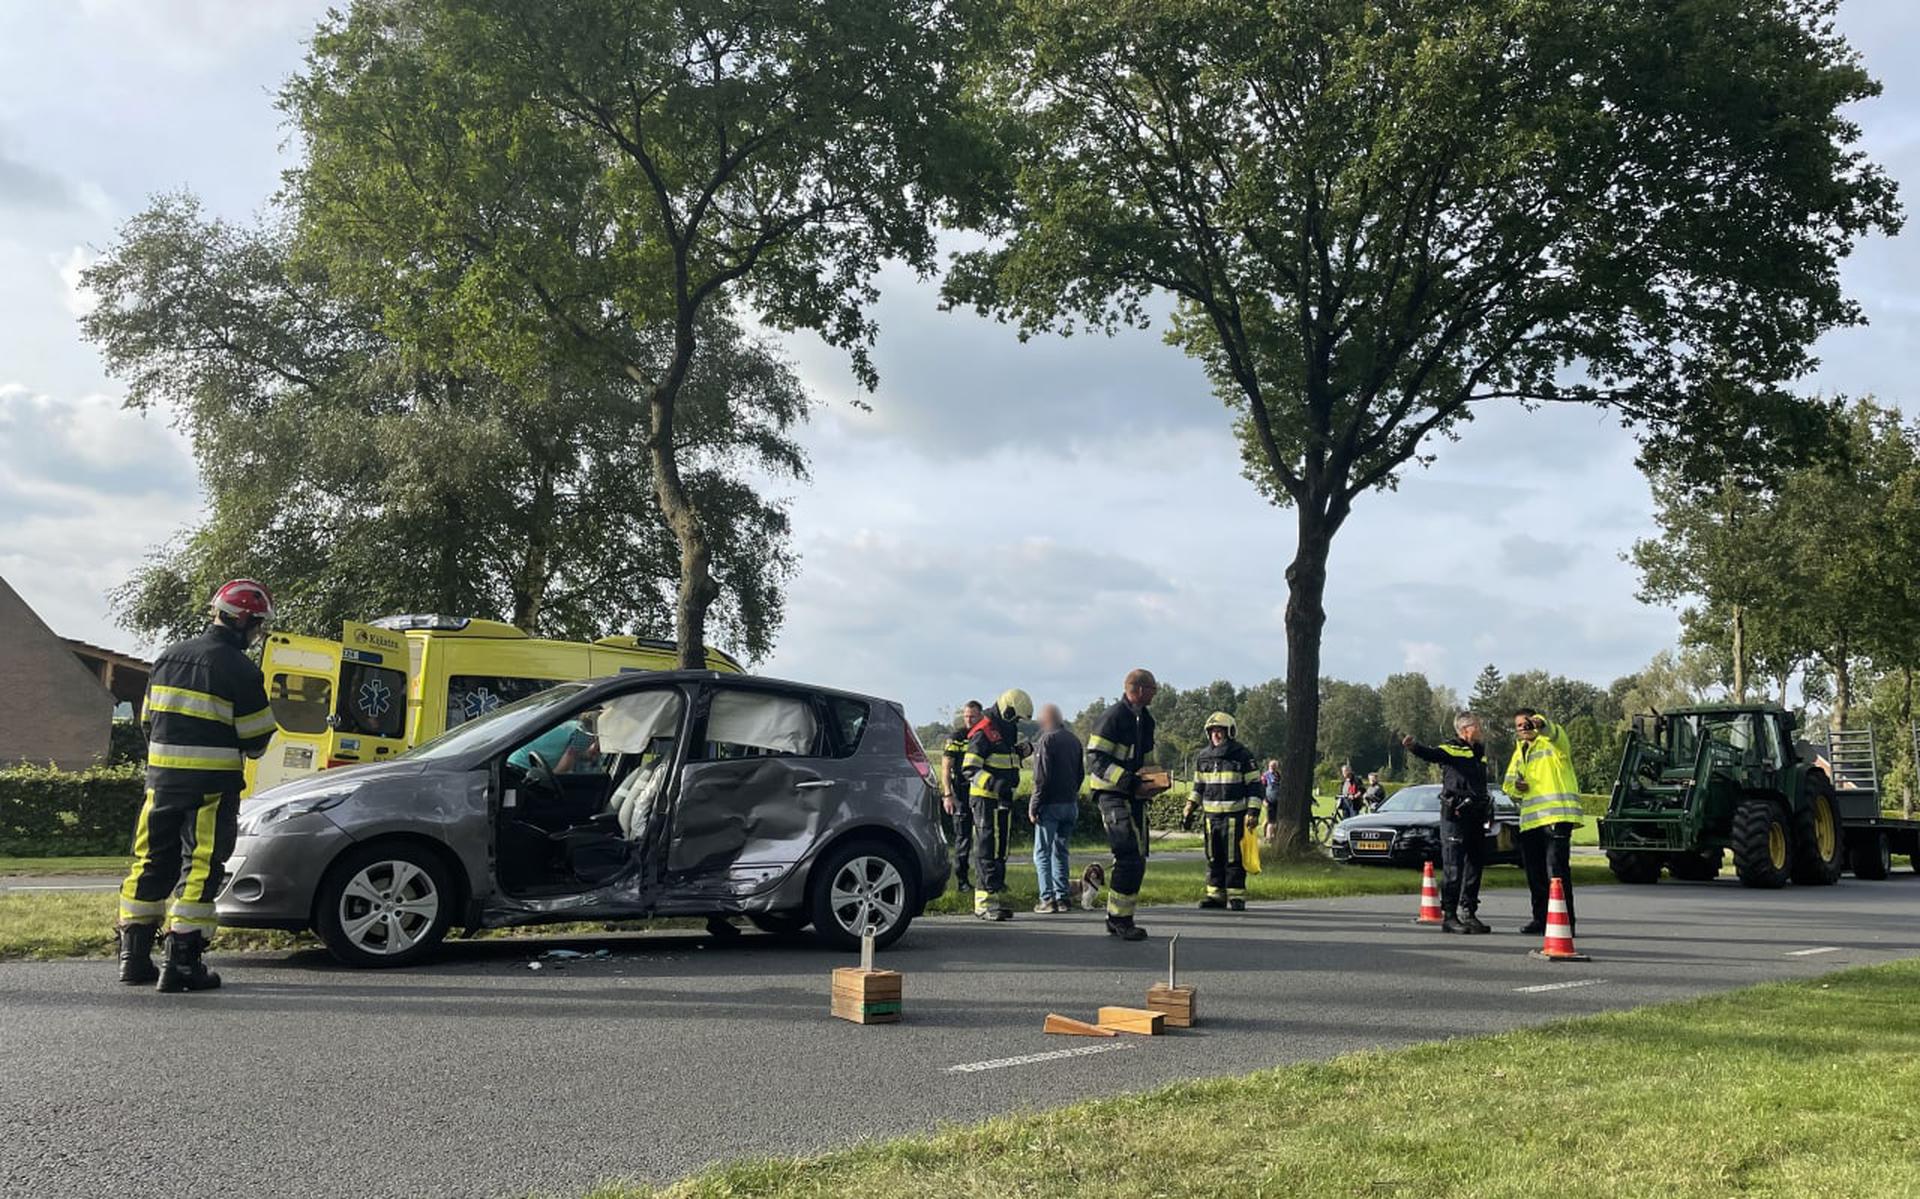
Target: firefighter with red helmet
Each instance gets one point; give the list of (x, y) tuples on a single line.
[(206, 712)]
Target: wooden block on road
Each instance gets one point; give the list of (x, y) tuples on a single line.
[(1068, 1026), (867, 996), (1135, 1020), (1177, 1004)]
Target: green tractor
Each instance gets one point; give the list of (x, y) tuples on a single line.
[(1699, 783)]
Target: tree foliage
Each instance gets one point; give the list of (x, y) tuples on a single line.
[(587, 182), (358, 477), (1370, 217)]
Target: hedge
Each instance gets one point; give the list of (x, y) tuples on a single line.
[(45, 812)]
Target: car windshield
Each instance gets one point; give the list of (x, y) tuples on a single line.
[(1413, 799), (502, 721)]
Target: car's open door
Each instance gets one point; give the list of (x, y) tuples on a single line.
[(336, 703)]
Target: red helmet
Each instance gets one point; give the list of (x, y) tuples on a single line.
[(243, 598)]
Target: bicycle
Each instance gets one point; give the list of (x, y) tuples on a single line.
[(1320, 828)]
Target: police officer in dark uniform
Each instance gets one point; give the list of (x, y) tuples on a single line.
[(954, 798), (1465, 809), (206, 711), (1121, 740)]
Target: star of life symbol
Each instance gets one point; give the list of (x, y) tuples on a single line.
[(478, 703), (376, 698)]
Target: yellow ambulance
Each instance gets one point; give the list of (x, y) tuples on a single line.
[(391, 684)]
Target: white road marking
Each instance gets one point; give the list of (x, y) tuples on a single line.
[(1807, 953), (1565, 986), (64, 887), (1031, 1058)]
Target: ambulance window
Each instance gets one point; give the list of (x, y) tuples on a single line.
[(373, 700), (470, 696), (301, 702)]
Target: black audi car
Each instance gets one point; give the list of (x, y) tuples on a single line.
[(1405, 831)]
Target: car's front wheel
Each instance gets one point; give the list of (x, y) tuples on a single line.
[(384, 905), (858, 888)]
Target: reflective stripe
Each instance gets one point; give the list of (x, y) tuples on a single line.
[(128, 889), (1216, 892), (1457, 751), (1121, 905), (255, 724), (185, 702), (1222, 807), (192, 757), (1540, 810), (1219, 777), (973, 761), (200, 871), (141, 911), (1112, 749)]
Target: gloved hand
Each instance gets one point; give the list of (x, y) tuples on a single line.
[(1186, 819)]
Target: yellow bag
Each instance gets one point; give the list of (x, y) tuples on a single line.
[(1250, 850)]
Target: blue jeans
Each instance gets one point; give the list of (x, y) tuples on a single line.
[(1051, 833)]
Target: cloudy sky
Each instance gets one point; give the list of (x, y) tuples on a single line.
[(105, 102)]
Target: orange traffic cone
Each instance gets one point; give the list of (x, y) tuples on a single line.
[(1429, 899), (1559, 943)]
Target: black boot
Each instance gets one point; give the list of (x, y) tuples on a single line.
[(1124, 928), (1473, 923), (136, 954), (1237, 905), (1534, 928), (1213, 901), (184, 970), (1451, 924)]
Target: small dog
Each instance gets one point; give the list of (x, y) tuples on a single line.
[(1086, 893)]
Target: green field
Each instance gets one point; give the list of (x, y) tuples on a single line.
[(16, 867), (1791, 1089)]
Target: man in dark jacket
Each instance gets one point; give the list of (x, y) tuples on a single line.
[(1465, 809), (206, 711), (1121, 740), (953, 787), (1055, 807)]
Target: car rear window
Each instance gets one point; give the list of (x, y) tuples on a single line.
[(850, 720)]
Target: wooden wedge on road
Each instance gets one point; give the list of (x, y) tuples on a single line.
[(1068, 1026), (1134, 1020)]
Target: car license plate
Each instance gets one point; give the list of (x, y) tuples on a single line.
[(1372, 844)]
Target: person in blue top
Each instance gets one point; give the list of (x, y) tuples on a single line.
[(565, 748)]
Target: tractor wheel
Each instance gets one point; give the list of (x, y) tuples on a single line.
[(1702, 867), (1819, 843), (1762, 843), (1870, 857), (1635, 868)]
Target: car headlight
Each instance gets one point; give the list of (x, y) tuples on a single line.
[(271, 812), (1340, 833)]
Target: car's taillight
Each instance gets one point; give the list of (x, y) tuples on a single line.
[(916, 755)]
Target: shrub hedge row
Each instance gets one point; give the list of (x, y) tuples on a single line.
[(48, 812)]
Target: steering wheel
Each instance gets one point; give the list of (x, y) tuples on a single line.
[(540, 773)]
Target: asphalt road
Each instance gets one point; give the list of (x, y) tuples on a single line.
[(480, 1077)]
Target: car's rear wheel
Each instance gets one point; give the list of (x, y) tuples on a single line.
[(384, 905), (860, 887), (781, 924)]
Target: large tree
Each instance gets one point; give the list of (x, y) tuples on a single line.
[(359, 478), (579, 180), (1370, 217)]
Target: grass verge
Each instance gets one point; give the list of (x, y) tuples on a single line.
[(18, 867), (1801, 1088), (1293, 878)]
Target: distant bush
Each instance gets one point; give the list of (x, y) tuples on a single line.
[(46, 812)]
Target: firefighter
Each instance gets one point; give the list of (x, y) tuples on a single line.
[(954, 798), (1465, 809), (1541, 779), (206, 709), (993, 771), (1226, 788), (1121, 740)]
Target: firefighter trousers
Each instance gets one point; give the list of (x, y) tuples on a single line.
[(962, 836), (1125, 819), (992, 829), (1226, 872), (181, 843)]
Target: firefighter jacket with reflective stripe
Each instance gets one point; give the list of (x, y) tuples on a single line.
[(1552, 794), (1463, 777), (206, 710), (1225, 778), (953, 779), (992, 763), (1121, 741)]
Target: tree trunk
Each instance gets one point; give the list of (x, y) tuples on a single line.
[(1906, 735), (530, 588), (1306, 616), (698, 589), (1842, 686), (1739, 655)]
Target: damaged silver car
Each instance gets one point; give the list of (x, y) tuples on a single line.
[(671, 794)]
